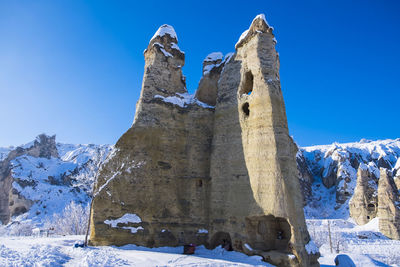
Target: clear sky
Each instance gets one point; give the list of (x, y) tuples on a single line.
[(74, 68)]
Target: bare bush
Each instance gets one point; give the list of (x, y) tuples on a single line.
[(72, 221)]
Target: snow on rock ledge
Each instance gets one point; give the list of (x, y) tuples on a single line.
[(127, 218), (183, 100), (214, 56), (214, 60)]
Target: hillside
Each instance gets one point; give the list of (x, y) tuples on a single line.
[(41, 178), (330, 171)]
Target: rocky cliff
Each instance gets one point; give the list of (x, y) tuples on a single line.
[(215, 169), (348, 182), (40, 178)]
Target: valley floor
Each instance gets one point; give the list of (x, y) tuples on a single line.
[(364, 244), (60, 251)]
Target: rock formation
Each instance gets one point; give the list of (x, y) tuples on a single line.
[(389, 205), (364, 203), (305, 176), (39, 179), (215, 169), (11, 202)]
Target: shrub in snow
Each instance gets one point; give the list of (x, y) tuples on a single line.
[(21, 229), (72, 221)]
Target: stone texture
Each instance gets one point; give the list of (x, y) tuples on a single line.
[(305, 176), (160, 167), (207, 90), (364, 203), (11, 202), (389, 205), (397, 182), (195, 174)]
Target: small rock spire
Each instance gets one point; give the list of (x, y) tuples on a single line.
[(165, 30), (258, 25), (165, 41)]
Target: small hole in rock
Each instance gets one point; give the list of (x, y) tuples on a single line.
[(246, 109)]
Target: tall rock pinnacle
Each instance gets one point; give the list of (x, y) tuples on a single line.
[(221, 172), (389, 205)]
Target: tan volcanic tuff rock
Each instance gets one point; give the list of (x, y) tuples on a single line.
[(186, 173), (389, 205), (364, 203), (159, 170), (212, 66)]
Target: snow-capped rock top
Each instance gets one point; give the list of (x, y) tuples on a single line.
[(258, 25), (214, 56), (165, 40), (163, 30), (215, 60)]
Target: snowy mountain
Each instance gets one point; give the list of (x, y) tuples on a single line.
[(329, 172), (39, 179)]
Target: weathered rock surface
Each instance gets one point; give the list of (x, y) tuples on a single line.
[(159, 169), (389, 205), (208, 86), (11, 202), (186, 172), (305, 176), (335, 168), (364, 203), (41, 178)]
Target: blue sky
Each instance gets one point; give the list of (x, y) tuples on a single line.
[(74, 68)]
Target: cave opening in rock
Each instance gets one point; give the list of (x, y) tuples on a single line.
[(221, 239), (246, 109), (268, 232), (247, 87)]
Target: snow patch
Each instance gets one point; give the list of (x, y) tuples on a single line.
[(183, 100), (127, 218), (163, 30), (202, 231), (214, 56), (311, 247), (242, 36), (248, 247), (176, 47), (107, 182)]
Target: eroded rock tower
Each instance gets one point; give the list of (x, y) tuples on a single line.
[(213, 169)]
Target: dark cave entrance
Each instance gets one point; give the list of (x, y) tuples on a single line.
[(246, 109), (221, 239), (268, 232), (248, 83)]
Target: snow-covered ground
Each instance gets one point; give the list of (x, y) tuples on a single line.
[(365, 245), (60, 251)]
